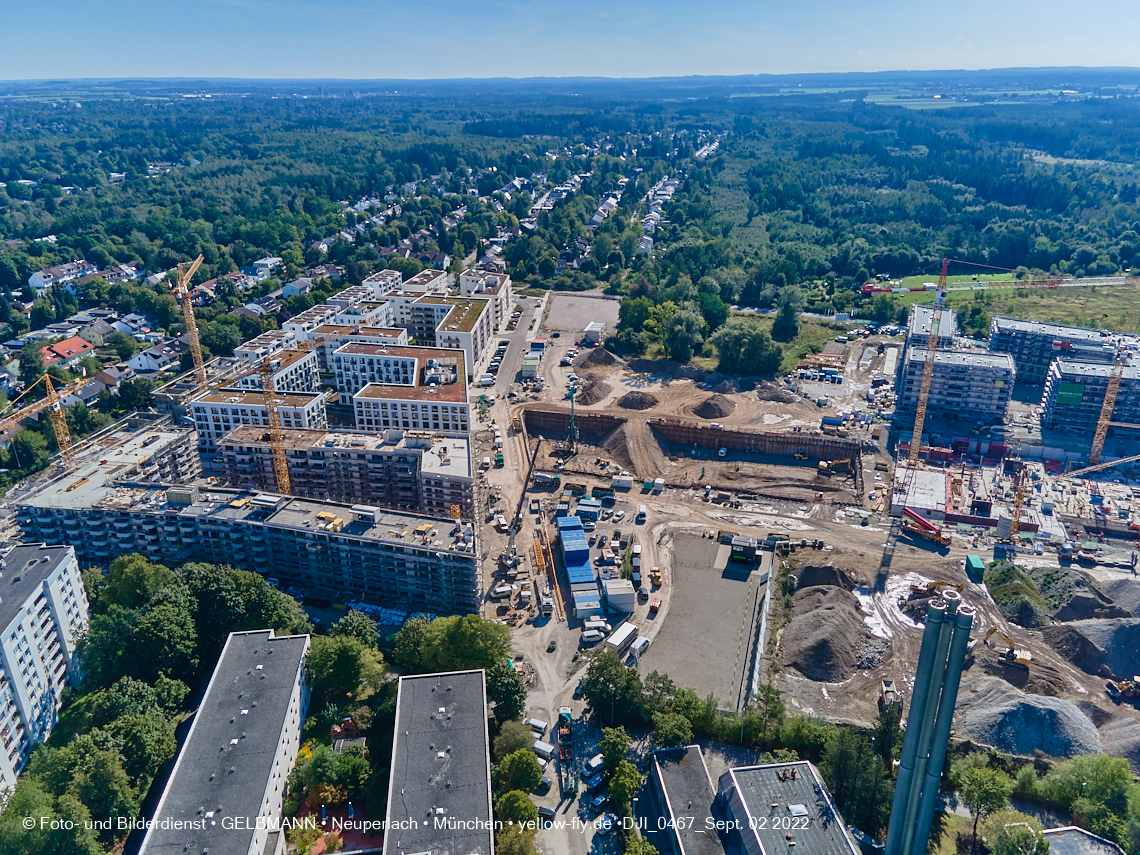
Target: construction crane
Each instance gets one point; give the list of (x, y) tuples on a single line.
[(52, 402), (927, 368), (182, 294), (276, 432), (1102, 424), (1018, 502), (1099, 467)]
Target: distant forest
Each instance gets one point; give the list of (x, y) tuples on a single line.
[(824, 191)]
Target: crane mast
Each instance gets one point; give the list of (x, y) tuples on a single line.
[(927, 370), (182, 294), (1102, 424), (276, 432)]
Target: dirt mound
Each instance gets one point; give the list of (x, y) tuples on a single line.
[(1076, 648), (726, 387), (616, 446), (826, 639), (1116, 642), (769, 391), (1121, 738), (637, 401), (597, 356), (591, 391), (715, 407), (825, 574), (994, 713), (1125, 593)]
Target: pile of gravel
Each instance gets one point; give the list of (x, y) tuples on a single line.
[(715, 407), (995, 713), (826, 639), (1121, 738), (769, 391), (726, 387), (1125, 593), (1117, 641), (637, 401), (592, 391), (597, 356)]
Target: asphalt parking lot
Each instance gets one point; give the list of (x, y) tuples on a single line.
[(705, 641), (571, 313)]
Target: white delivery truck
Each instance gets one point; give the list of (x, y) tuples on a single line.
[(544, 749), (622, 638)]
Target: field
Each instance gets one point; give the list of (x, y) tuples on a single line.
[(810, 339)]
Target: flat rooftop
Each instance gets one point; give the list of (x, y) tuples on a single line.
[(448, 393), (423, 279), (403, 351), (971, 358), (770, 791), (920, 318), (252, 398), (920, 488), (1094, 369), (227, 759), (1070, 840), (25, 568), (440, 767), (688, 791), (353, 330), (464, 315), (1003, 323)]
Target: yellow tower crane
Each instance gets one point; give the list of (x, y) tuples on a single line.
[(52, 402), (276, 432), (182, 294), (927, 369), (1018, 503), (1105, 420)]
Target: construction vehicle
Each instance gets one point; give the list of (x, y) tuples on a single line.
[(1120, 690), (799, 455), (916, 524), (1011, 655), (567, 768), (927, 368), (655, 577), (888, 695), (826, 467), (52, 401), (929, 589), (182, 295)]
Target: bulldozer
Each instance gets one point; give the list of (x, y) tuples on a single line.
[(1011, 655)]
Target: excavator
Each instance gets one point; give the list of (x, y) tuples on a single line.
[(1011, 656), (929, 589), (1120, 690), (826, 467)]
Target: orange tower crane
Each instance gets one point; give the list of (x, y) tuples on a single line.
[(1102, 424), (927, 369), (182, 294)]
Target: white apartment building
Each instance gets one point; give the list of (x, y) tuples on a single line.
[(492, 285), (291, 371), (355, 365), (269, 343), (43, 608), (217, 413), (429, 406), (237, 757), (383, 281), (468, 327), (336, 335)]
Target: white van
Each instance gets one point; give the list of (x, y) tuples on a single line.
[(487, 380), (592, 636), (486, 462), (639, 646), (544, 749), (537, 725), (641, 512), (598, 624)]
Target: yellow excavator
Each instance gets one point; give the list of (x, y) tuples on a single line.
[(1011, 655), (1120, 690), (929, 589)]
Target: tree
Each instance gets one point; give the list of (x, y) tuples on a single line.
[(145, 742), (671, 730), (505, 687), (463, 643), (165, 640), (633, 313), (30, 450), (135, 394), (789, 304), (408, 641), (125, 346), (1010, 832), (132, 581), (127, 696), (516, 809), (509, 842), (513, 736), (635, 844), (886, 734), (983, 791), (31, 362), (29, 799), (684, 333), (614, 745), (358, 625), (340, 666), (744, 348), (105, 788), (520, 771), (626, 781), (613, 690)]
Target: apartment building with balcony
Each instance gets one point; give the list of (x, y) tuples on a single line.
[(1034, 345), (405, 470), (356, 364), (491, 285), (254, 709), (1074, 397), (43, 610), (218, 412), (333, 336), (290, 371), (974, 386)]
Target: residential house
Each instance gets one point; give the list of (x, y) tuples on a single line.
[(113, 375), (332, 272), (134, 324), (87, 395), (298, 286), (61, 274), (96, 332), (159, 357), (66, 352)]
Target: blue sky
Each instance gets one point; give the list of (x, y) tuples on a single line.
[(505, 38)]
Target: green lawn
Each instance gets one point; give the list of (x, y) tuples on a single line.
[(811, 339)]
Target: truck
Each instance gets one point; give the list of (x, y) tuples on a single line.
[(916, 524), (567, 768), (499, 460), (622, 638), (544, 478), (487, 380), (641, 513)]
